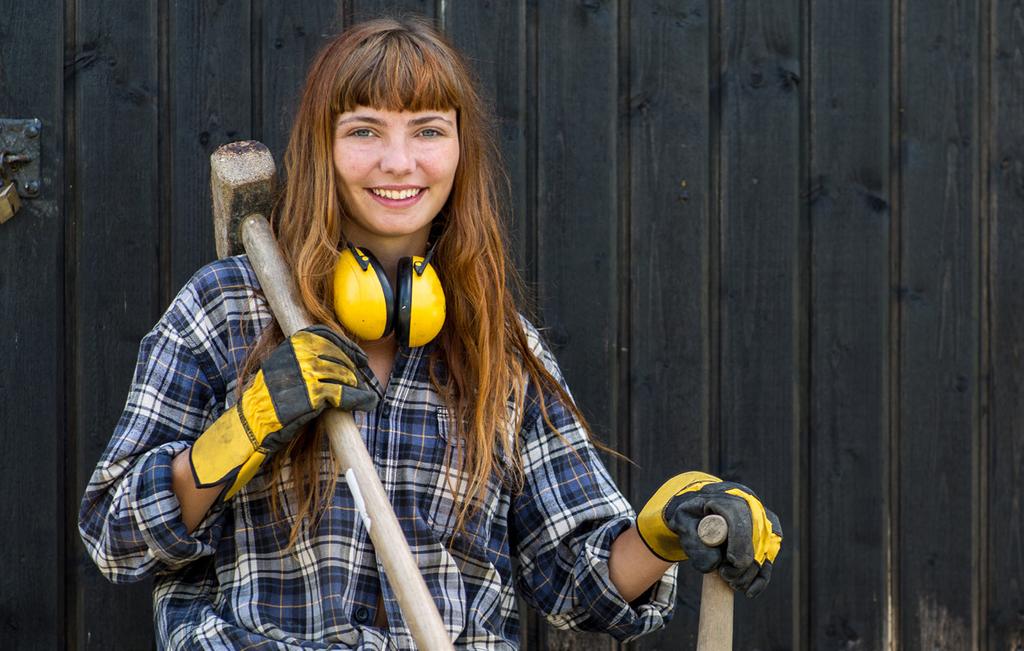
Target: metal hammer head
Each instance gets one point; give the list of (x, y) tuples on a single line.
[(242, 179)]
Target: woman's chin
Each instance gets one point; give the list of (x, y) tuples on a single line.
[(391, 230)]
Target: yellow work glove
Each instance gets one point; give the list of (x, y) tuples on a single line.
[(668, 525), (313, 369)]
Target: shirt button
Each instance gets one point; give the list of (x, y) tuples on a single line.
[(362, 615), (386, 411)]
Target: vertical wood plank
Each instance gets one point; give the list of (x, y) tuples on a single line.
[(849, 388), (115, 275), (492, 36), (938, 317), (1006, 269), (32, 610), (669, 202), (577, 185), (292, 34), (761, 266), (369, 9), (210, 104)]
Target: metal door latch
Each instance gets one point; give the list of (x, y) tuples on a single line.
[(10, 202), (19, 163)]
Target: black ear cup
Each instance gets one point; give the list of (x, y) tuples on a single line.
[(403, 300), (386, 291)]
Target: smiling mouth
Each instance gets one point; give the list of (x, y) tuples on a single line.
[(396, 195)]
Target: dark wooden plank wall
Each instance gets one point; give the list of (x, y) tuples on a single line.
[(1001, 448), (32, 355), (759, 264), (671, 197), (935, 399), (849, 323), (780, 241)]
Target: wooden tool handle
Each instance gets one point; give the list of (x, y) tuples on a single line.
[(714, 632), (417, 604)]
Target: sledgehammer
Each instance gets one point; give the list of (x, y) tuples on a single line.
[(242, 179)]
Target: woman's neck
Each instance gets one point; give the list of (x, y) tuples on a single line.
[(380, 355)]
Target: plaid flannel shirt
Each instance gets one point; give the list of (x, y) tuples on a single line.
[(231, 584)]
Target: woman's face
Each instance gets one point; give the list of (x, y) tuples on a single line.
[(394, 170)]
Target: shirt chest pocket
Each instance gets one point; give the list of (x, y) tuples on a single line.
[(444, 487)]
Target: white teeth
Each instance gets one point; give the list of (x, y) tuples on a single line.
[(396, 194)]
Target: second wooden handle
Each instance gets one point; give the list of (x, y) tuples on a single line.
[(714, 633)]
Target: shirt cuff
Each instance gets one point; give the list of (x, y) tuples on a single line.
[(605, 608), (155, 509)]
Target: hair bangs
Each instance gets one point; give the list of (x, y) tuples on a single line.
[(395, 72)]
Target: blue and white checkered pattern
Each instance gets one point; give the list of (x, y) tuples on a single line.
[(231, 584)]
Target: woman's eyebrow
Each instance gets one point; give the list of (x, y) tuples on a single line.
[(429, 118), (362, 118), (372, 120)]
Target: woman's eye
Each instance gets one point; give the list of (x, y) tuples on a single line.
[(362, 133), (431, 133)]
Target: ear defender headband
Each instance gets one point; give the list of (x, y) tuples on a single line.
[(370, 308)]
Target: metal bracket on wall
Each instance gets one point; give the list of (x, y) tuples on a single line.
[(19, 140)]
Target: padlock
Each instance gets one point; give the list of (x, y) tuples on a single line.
[(10, 202)]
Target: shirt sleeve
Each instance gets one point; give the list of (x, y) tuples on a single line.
[(563, 524), (130, 519)]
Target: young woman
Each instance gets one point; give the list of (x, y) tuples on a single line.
[(219, 483)]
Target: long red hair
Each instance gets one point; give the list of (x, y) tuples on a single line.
[(397, 65)]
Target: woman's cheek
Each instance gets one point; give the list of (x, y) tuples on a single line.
[(353, 159), (442, 156)]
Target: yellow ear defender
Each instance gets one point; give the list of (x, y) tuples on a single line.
[(370, 308)]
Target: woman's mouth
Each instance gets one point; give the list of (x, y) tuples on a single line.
[(396, 198)]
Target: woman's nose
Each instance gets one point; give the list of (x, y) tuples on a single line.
[(398, 158)]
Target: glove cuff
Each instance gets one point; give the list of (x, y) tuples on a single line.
[(651, 522), (227, 450)]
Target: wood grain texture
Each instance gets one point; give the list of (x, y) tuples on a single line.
[(116, 275), (716, 614), (1005, 552), (35, 508), (369, 9), (578, 221), (492, 36), (290, 36), (761, 305), (669, 124), (849, 396), (209, 75), (938, 318)]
